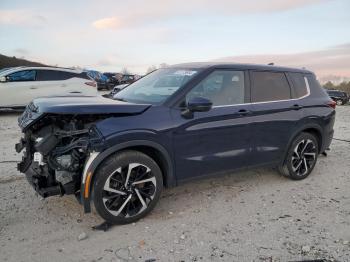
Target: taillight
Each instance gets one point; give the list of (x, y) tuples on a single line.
[(93, 84), (332, 104)]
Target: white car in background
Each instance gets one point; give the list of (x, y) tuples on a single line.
[(20, 85), (115, 90)]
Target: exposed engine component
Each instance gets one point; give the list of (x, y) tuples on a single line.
[(64, 177), (38, 157), (65, 161), (55, 152), (69, 162), (46, 140)]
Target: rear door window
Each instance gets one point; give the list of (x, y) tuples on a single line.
[(300, 88), (20, 76), (269, 86), (54, 75), (48, 75)]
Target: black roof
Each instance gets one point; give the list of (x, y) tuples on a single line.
[(204, 65)]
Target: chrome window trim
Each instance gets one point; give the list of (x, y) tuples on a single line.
[(307, 88), (274, 101)]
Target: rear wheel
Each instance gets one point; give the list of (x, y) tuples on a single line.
[(301, 157), (127, 187)]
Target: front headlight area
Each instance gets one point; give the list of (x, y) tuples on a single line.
[(55, 156)]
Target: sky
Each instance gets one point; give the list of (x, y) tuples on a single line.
[(111, 35)]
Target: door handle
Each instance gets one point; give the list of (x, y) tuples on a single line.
[(244, 112), (297, 107), (75, 92), (33, 87)]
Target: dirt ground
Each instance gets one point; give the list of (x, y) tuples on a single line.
[(246, 216)]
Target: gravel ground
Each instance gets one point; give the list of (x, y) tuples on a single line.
[(247, 216)]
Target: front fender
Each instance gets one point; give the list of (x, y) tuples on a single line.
[(96, 158)]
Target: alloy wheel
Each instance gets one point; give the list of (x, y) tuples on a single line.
[(303, 157), (129, 190)]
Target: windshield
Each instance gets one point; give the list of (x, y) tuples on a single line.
[(157, 86)]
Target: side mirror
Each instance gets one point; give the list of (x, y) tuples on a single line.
[(3, 79), (197, 104)]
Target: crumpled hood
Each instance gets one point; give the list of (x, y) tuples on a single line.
[(86, 105), (76, 105)]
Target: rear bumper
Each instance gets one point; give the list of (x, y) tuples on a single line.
[(327, 141)]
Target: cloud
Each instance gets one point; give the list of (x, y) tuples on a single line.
[(107, 23), (105, 62), (138, 13), (267, 6), (21, 18), (331, 61), (21, 51)]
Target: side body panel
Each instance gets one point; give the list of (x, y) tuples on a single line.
[(16, 93), (212, 142), (273, 125)]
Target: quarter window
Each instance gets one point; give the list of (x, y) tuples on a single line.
[(299, 84), (25, 75), (269, 86), (221, 87)]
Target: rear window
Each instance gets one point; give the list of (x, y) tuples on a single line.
[(83, 75), (337, 93), (299, 85), (269, 86), (312, 81)]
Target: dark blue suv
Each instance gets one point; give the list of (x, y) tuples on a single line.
[(179, 123)]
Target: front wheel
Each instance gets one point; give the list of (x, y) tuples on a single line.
[(127, 187), (301, 157)]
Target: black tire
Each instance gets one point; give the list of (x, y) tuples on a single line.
[(133, 200), (298, 164)]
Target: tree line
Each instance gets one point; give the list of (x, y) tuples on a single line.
[(7, 61)]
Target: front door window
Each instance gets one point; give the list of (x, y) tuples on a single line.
[(20, 76), (221, 87)]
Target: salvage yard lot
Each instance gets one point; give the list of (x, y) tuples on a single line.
[(254, 215)]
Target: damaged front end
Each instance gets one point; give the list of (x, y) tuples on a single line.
[(61, 140), (56, 148)]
